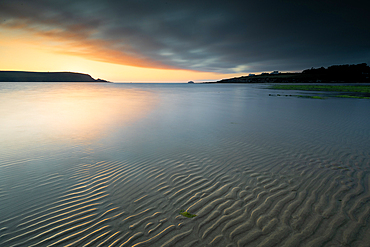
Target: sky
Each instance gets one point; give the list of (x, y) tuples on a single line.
[(179, 41)]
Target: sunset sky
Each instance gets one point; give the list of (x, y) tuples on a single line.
[(178, 41)]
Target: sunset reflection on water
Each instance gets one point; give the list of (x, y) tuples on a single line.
[(67, 112)]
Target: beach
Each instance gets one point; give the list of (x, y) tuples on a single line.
[(117, 164)]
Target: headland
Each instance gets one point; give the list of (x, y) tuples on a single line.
[(25, 76)]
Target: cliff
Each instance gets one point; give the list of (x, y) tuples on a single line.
[(22, 76)]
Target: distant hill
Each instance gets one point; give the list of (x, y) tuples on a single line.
[(333, 74), (23, 76)]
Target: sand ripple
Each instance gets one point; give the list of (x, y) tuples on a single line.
[(253, 186), (253, 200)]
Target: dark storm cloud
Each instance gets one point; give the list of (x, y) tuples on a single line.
[(220, 36)]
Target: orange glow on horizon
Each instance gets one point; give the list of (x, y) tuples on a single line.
[(23, 50)]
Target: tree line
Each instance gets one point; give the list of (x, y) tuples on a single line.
[(347, 71)]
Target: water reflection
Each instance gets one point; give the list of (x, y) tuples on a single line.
[(63, 112), (104, 165)]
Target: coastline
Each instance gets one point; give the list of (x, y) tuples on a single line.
[(26, 76), (358, 73)]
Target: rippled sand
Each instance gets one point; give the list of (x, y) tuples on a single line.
[(256, 170)]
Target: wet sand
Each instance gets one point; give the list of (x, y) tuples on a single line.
[(256, 170)]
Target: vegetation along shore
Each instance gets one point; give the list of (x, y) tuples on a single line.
[(355, 73), (341, 91)]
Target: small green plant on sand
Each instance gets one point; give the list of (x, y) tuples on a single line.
[(186, 214)]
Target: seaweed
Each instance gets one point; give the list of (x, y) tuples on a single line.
[(351, 96), (329, 88), (300, 96), (186, 214), (353, 91), (310, 97)]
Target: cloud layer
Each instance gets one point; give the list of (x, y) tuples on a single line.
[(216, 36)]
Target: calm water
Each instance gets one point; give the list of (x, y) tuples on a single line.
[(113, 164)]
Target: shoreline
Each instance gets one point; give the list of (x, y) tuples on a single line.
[(26, 76)]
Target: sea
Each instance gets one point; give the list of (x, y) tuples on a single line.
[(175, 164)]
